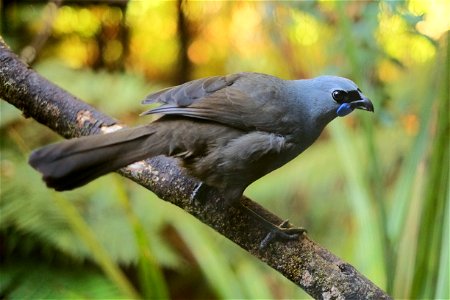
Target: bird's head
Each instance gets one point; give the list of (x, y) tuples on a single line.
[(337, 96)]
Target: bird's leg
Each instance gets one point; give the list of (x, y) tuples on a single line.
[(198, 194), (276, 232)]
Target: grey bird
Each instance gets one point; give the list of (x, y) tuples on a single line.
[(227, 131)]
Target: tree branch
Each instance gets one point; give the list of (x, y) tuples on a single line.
[(320, 273)]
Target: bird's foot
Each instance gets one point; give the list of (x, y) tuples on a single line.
[(282, 232)]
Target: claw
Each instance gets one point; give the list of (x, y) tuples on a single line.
[(276, 232), (282, 232)]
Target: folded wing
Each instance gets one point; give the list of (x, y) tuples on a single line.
[(248, 101)]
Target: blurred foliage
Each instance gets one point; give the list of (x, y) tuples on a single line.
[(374, 189)]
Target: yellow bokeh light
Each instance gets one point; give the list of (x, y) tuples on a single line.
[(199, 52), (81, 21), (421, 50), (153, 44), (74, 51), (397, 40), (306, 30), (245, 28), (436, 16), (411, 124), (387, 71), (195, 10)]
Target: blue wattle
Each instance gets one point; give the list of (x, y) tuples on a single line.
[(344, 109)]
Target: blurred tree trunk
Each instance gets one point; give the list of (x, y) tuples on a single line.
[(184, 67)]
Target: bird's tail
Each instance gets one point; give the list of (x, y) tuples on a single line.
[(73, 163)]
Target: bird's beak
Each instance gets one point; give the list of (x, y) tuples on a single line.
[(364, 103)]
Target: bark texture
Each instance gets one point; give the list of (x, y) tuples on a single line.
[(313, 268)]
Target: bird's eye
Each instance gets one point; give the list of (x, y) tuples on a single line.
[(339, 96)]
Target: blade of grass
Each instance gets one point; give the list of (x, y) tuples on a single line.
[(403, 193), (252, 280), (210, 259), (429, 244), (101, 256), (377, 189), (443, 281), (368, 237), (407, 196), (443, 286), (404, 271), (151, 278), (407, 175)]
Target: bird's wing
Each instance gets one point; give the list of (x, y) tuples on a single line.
[(248, 101)]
